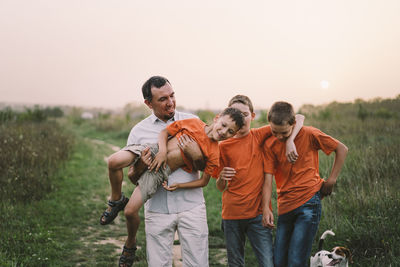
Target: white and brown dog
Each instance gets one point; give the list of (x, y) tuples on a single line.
[(338, 257)]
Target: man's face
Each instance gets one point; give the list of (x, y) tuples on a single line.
[(282, 132), (223, 128), (163, 102)]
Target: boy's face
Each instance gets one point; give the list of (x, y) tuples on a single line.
[(248, 117), (282, 132), (223, 128)]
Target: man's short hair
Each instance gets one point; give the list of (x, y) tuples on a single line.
[(155, 81), (281, 113), (242, 99), (235, 114)]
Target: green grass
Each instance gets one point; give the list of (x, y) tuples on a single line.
[(30, 153), (61, 228)]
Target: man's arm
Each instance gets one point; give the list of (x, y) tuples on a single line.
[(268, 216), (340, 155), (136, 171), (291, 152), (192, 151), (203, 181)]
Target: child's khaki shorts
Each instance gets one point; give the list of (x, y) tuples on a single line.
[(149, 181)]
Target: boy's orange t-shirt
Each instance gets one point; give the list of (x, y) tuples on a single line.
[(243, 197), (297, 183), (195, 129)]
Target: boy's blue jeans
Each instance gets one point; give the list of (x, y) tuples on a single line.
[(295, 234), (260, 239)]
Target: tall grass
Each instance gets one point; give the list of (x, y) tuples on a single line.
[(365, 207), (30, 153), (363, 211)]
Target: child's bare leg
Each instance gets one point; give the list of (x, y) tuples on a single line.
[(116, 163), (132, 216)]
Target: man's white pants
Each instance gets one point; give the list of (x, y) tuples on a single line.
[(193, 236)]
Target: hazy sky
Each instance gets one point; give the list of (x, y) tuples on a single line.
[(99, 53)]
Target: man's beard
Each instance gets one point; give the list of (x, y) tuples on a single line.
[(167, 117)]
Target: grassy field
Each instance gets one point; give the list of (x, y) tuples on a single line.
[(56, 224)]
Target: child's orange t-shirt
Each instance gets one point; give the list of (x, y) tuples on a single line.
[(243, 197), (297, 183), (195, 129)]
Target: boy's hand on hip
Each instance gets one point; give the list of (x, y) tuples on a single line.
[(327, 188)]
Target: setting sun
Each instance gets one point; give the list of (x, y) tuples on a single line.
[(324, 84)]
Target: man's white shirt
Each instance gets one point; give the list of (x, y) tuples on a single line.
[(164, 201)]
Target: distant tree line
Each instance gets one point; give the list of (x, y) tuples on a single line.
[(35, 114)]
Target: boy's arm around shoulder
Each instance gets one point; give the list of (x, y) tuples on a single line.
[(340, 155), (291, 151)]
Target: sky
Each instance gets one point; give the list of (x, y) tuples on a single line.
[(98, 53)]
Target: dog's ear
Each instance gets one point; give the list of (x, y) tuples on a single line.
[(346, 252)]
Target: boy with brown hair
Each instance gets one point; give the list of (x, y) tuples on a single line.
[(241, 179), (299, 186)]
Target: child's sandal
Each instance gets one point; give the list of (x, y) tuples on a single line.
[(127, 261), (116, 206)]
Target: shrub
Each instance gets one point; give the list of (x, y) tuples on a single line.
[(362, 112), (29, 155), (55, 112), (324, 114), (36, 115), (7, 114), (206, 115), (385, 113)]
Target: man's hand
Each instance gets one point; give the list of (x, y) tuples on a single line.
[(146, 156), (135, 171), (192, 150), (291, 152), (327, 188), (268, 219)]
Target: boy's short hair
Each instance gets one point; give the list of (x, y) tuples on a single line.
[(281, 112), (235, 114), (155, 81), (242, 99)]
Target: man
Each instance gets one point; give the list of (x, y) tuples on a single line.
[(181, 210)]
